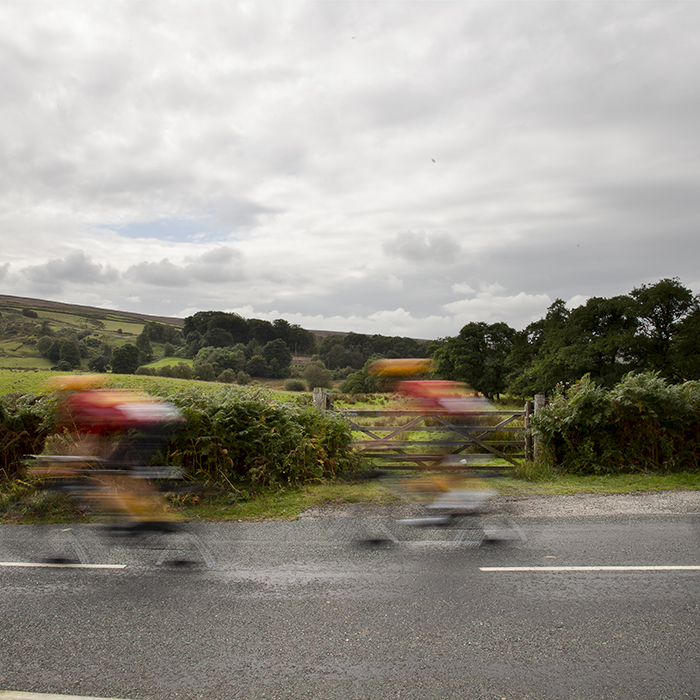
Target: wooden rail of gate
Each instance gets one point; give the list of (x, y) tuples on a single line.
[(465, 440)]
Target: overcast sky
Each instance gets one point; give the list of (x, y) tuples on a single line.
[(393, 167)]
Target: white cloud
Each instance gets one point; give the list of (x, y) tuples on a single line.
[(491, 305), (462, 288), (577, 300)]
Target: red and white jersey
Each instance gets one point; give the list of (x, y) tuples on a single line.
[(103, 410)]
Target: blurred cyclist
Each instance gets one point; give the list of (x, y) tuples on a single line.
[(117, 432)]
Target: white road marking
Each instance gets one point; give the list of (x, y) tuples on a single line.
[(59, 565), (15, 695), (692, 567)]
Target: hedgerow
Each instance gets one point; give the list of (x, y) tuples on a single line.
[(233, 436), (641, 424), (228, 438), (25, 422)]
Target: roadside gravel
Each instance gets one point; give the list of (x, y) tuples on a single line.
[(583, 504)]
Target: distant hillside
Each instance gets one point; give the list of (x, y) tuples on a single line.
[(18, 303), (37, 334)]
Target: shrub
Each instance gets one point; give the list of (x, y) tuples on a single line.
[(294, 385), (181, 370), (205, 372), (643, 423), (25, 421), (232, 437), (228, 376), (316, 375)]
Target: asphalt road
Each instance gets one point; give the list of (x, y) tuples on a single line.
[(287, 610)]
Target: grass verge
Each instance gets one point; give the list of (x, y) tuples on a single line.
[(21, 503)]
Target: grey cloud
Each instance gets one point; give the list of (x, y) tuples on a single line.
[(4, 271), (420, 247), (159, 274), (236, 213), (217, 265), (649, 199), (76, 268)]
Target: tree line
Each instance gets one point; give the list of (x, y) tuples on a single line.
[(654, 328), (225, 347)]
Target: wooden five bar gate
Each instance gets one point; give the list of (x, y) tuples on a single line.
[(422, 439)]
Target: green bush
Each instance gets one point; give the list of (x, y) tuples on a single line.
[(25, 421), (232, 436), (294, 385), (642, 424), (236, 436)]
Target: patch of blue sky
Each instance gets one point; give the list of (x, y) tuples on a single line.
[(175, 230)]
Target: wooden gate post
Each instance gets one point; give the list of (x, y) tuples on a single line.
[(322, 399), (528, 437), (540, 401)]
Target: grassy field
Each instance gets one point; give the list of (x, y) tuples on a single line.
[(167, 361), (36, 381)]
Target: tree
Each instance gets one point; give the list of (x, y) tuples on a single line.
[(233, 324), (205, 321), (301, 340), (660, 309), (218, 338), (262, 331), (194, 343), (685, 347), (160, 332), (316, 375), (228, 376), (222, 358), (205, 372), (337, 357), (43, 345), (537, 360), (277, 350), (601, 336), (477, 356), (144, 345), (70, 353), (99, 363), (125, 359), (360, 382), (256, 366), (54, 352), (282, 329)]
